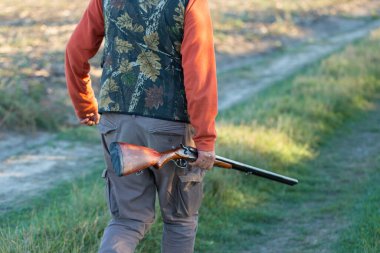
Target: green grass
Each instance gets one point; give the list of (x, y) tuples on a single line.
[(81, 134), (28, 110), (69, 218), (280, 129), (363, 235), (48, 222)]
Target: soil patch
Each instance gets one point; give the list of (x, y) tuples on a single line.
[(30, 165), (263, 71), (341, 173)]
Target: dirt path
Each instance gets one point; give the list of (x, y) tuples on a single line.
[(341, 172), (263, 71), (29, 164), (32, 164)]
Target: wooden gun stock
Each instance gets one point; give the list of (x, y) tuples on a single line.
[(128, 159)]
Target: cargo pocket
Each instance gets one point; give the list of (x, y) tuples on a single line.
[(106, 129), (111, 200), (189, 191)]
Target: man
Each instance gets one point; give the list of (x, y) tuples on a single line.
[(158, 76)]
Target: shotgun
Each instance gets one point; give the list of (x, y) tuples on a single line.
[(128, 159)]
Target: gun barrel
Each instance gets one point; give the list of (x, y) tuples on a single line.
[(258, 172)]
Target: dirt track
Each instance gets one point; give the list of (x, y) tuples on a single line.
[(267, 70), (27, 168), (314, 225), (32, 164)]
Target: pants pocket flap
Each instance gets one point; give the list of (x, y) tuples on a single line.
[(169, 128), (105, 126)]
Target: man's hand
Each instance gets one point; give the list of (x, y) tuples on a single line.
[(91, 119), (205, 160)]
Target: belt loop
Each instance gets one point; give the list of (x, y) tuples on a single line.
[(104, 173)]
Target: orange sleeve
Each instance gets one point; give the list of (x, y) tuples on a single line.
[(198, 62), (82, 46)]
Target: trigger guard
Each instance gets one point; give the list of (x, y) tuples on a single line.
[(181, 163)]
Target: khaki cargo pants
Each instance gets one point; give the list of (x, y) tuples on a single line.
[(131, 199)]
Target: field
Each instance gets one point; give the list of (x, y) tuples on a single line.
[(33, 35), (321, 125)]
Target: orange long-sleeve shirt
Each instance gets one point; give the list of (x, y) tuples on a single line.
[(198, 62)]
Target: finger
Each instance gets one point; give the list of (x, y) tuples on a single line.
[(97, 119), (84, 121), (197, 163), (194, 164), (94, 117), (210, 163), (202, 160), (205, 164), (87, 122)]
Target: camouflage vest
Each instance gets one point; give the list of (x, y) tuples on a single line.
[(142, 70)]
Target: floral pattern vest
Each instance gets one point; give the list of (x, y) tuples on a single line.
[(142, 70)]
